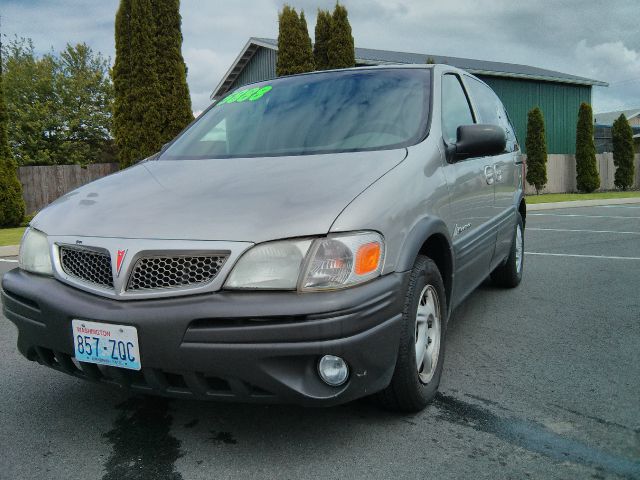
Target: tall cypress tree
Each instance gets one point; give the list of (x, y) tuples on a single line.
[(145, 111), (322, 37), (308, 62), (622, 137), (173, 94), (587, 177), (152, 97), (341, 46), (294, 44), (11, 201), (122, 84), (287, 48), (536, 143)]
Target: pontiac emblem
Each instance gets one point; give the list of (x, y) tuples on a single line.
[(119, 261)]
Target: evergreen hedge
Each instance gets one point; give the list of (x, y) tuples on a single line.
[(536, 143), (322, 37), (294, 44), (11, 201), (121, 83), (173, 93), (341, 52), (623, 152), (587, 177), (145, 109), (152, 102)]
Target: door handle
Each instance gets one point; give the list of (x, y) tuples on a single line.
[(489, 174), (498, 172)]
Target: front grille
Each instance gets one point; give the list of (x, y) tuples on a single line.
[(173, 272), (92, 266)]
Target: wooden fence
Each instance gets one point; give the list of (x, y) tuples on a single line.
[(42, 185), (561, 173)]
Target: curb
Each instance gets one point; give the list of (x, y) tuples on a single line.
[(582, 203), (9, 251)]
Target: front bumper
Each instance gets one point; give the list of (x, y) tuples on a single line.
[(239, 346)]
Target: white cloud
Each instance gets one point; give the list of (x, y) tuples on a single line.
[(588, 39), (616, 64), (204, 65), (611, 59)]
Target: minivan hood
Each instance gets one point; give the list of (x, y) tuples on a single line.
[(238, 199)]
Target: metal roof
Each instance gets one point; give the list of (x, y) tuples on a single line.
[(607, 118), (368, 56)]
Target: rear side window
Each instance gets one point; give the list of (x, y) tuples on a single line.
[(455, 107), (489, 109), (512, 140)]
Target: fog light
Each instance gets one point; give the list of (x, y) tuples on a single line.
[(333, 370)]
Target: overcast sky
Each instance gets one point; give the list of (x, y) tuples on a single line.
[(594, 39)]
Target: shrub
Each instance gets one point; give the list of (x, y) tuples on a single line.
[(174, 98), (322, 37), (341, 46), (622, 137), (11, 201), (536, 144), (587, 177), (294, 44), (152, 102)]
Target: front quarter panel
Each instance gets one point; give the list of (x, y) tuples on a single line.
[(412, 194)]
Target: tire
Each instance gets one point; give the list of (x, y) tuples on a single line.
[(509, 274), (412, 389)]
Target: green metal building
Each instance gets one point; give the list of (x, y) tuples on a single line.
[(520, 87)]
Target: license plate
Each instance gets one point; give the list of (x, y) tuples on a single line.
[(106, 344)]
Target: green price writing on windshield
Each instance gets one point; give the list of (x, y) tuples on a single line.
[(252, 94)]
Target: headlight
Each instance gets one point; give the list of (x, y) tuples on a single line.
[(273, 265), (34, 253), (343, 260), (333, 262)]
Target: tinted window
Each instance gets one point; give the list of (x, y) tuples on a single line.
[(326, 112), (489, 108), (455, 108), (512, 140)]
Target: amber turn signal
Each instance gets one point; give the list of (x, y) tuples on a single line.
[(367, 258)]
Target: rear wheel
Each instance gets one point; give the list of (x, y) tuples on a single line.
[(509, 274), (421, 353)]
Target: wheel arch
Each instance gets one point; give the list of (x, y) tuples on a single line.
[(522, 209), (430, 237)]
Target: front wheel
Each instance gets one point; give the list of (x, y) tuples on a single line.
[(509, 274), (421, 353)]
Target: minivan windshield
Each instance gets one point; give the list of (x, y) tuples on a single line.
[(353, 110)]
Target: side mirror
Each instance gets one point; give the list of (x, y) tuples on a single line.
[(477, 141)]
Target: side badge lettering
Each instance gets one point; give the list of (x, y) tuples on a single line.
[(460, 228)]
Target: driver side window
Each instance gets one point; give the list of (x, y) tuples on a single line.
[(455, 107)]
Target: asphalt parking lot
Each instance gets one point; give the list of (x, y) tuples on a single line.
[(540, 382)]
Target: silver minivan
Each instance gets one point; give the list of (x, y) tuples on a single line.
[(304, 240)]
